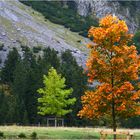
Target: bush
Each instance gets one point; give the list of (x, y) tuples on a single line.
[(36, 49), (1, 46), (136, 39), (25, 48), (1, 134), (22, 135), (34, 135), (0, 61)]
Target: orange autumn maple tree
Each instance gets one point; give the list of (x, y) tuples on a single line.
[(114, 64)]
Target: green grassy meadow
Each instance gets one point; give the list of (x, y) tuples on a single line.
[(12, 132)]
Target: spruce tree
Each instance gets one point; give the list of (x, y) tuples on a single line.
[(76, 79), (9, 66)]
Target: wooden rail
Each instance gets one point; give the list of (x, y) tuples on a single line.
[(129, 135)]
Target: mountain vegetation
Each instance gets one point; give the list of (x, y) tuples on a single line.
[(21, 77), (22, 73), (64, 14)]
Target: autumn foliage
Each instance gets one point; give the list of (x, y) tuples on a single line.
[(114, 64)]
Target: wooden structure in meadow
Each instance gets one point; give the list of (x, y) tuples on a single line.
[(55, 122)]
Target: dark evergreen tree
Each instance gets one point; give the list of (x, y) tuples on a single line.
[(7, 105), (9, 66), (24, 88), (28, 77), (76, 79), (19, 87), (136, 40), (51, 58)]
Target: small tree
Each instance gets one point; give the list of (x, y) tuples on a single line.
[(54, 96), (114, 64)]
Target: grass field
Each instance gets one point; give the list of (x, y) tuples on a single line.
[(12, 132)]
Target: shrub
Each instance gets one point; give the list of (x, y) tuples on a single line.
[(36, 49), (1, 134), (0, 61), (22, 135), (25, 48), (34, 135), (1, 46), (136, 39)]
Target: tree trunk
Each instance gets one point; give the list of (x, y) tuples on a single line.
[(63, 122), (47, 122), (113, 119), (113, 106), (55, 122)]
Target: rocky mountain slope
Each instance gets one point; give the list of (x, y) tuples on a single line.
[(126, 10), (21, 25)]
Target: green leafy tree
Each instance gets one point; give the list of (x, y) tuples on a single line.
[(54, 96)]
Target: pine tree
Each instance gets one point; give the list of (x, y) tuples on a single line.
[(76, 79), (7, 105), (9, 66)]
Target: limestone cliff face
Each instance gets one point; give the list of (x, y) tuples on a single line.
[(21, 25), (101, 8)]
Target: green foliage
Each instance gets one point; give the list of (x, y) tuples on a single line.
[(50, 58), (54, 96), (128, 3), (76, 79), (1, 46), (133, 122), (18, 90), (36, 49), (25, 48), (27, 79), (1, 134), (66, 15), (23, 87), (22, 135), (133, 7), (20, 104), (9, 66), (7, 105), (34, 135), (136, 40)]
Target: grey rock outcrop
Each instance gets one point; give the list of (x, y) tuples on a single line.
[(20, 24), (100, 8)]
